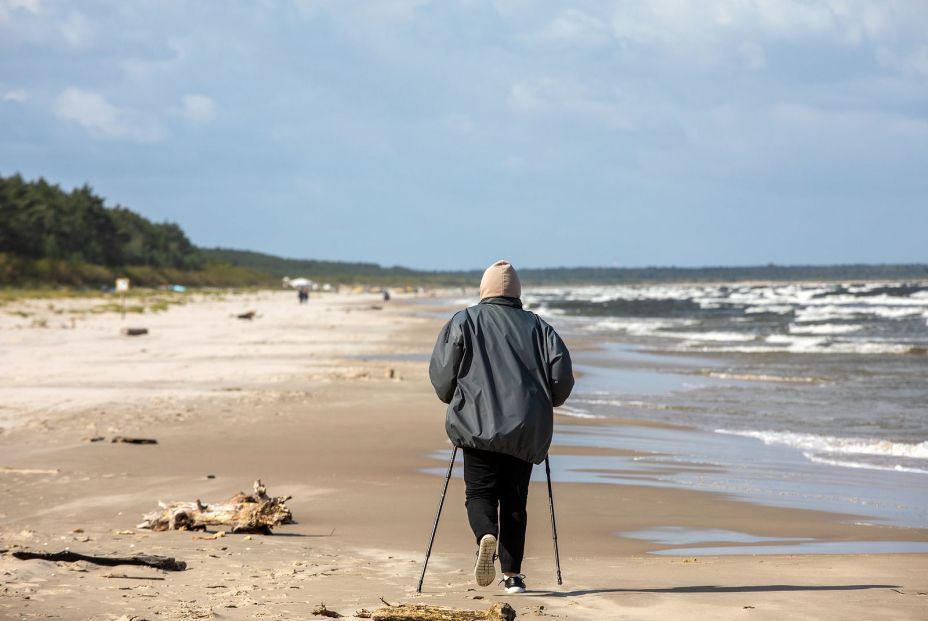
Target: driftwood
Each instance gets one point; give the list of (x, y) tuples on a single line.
[(248, 315), (134, 331), (165, 563), (322, 611), (424, 612), (243, 513), (126, 440)]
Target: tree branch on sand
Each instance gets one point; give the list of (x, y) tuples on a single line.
[(243, 513), (425, 612), (165, 563)]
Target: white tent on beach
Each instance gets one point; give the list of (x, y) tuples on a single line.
[(298, 283)]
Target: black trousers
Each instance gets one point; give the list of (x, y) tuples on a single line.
[(496, 493)]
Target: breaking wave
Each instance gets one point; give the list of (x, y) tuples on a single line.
[(834, 445), (862, 318), (857, 464)]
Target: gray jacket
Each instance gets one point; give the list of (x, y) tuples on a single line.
[(501, 370)]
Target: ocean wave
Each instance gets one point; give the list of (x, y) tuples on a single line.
[(862, 318), (800, 343), (879, 294), (760, 377), (544, 309), (830, 312), (859, 464), (825, 328), (786, 345), (640, 327), (575, 412), (719, 336), (779, 309), (630, 403), (836, 445)]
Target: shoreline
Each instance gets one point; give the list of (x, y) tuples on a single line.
[(316, 420)]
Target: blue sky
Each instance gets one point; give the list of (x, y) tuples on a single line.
[(449, 134)]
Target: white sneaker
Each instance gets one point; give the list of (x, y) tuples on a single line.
[(485, 567), (515, 584)]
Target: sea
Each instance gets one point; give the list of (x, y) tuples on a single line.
[(804, 395)]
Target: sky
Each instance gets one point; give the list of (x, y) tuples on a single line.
[(448, 134)]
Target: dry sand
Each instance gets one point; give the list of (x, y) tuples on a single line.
[(299, 397)]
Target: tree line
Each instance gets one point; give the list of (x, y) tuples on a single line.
[(49, 236), (42, 221)]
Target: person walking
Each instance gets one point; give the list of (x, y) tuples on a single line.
[(501, 370)]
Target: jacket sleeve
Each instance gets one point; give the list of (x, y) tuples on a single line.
[(446, 360), (560, 368)]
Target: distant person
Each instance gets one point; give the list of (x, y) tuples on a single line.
[(386, 295), (501, 369), (303, 295)]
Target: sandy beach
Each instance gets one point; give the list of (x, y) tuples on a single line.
[(330, 403)]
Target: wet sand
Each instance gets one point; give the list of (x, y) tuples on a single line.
[(299, 397)]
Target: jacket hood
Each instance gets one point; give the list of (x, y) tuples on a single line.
[(500, 280)]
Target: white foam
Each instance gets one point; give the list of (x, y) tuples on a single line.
[(757, 299), (544, 310), (640, 327), (798, 343), (825, 328), (725, 337), (786, 344), (633, 403), (856, 309), (760, 377), (821, 324), (780, 309), (837, 445), (858, 464), (575, 412)]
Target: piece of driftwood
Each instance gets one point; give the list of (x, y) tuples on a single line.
[(134, 331), (242, 513), (249, 315), (165, 563), (425, 612), (126, 440), (322, 611)]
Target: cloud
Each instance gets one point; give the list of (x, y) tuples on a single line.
[(17, 95), (914, 62), (30, 6), (709, 33), (553, 97), (32, 22), (572, 28), (103, 120), (673, 102), (198, 109), (367, 15), (76, 30)]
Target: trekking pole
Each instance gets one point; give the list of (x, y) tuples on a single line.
[(557, 557), (441, 503)]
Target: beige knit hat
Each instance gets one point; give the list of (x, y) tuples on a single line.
[(500, 279)]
